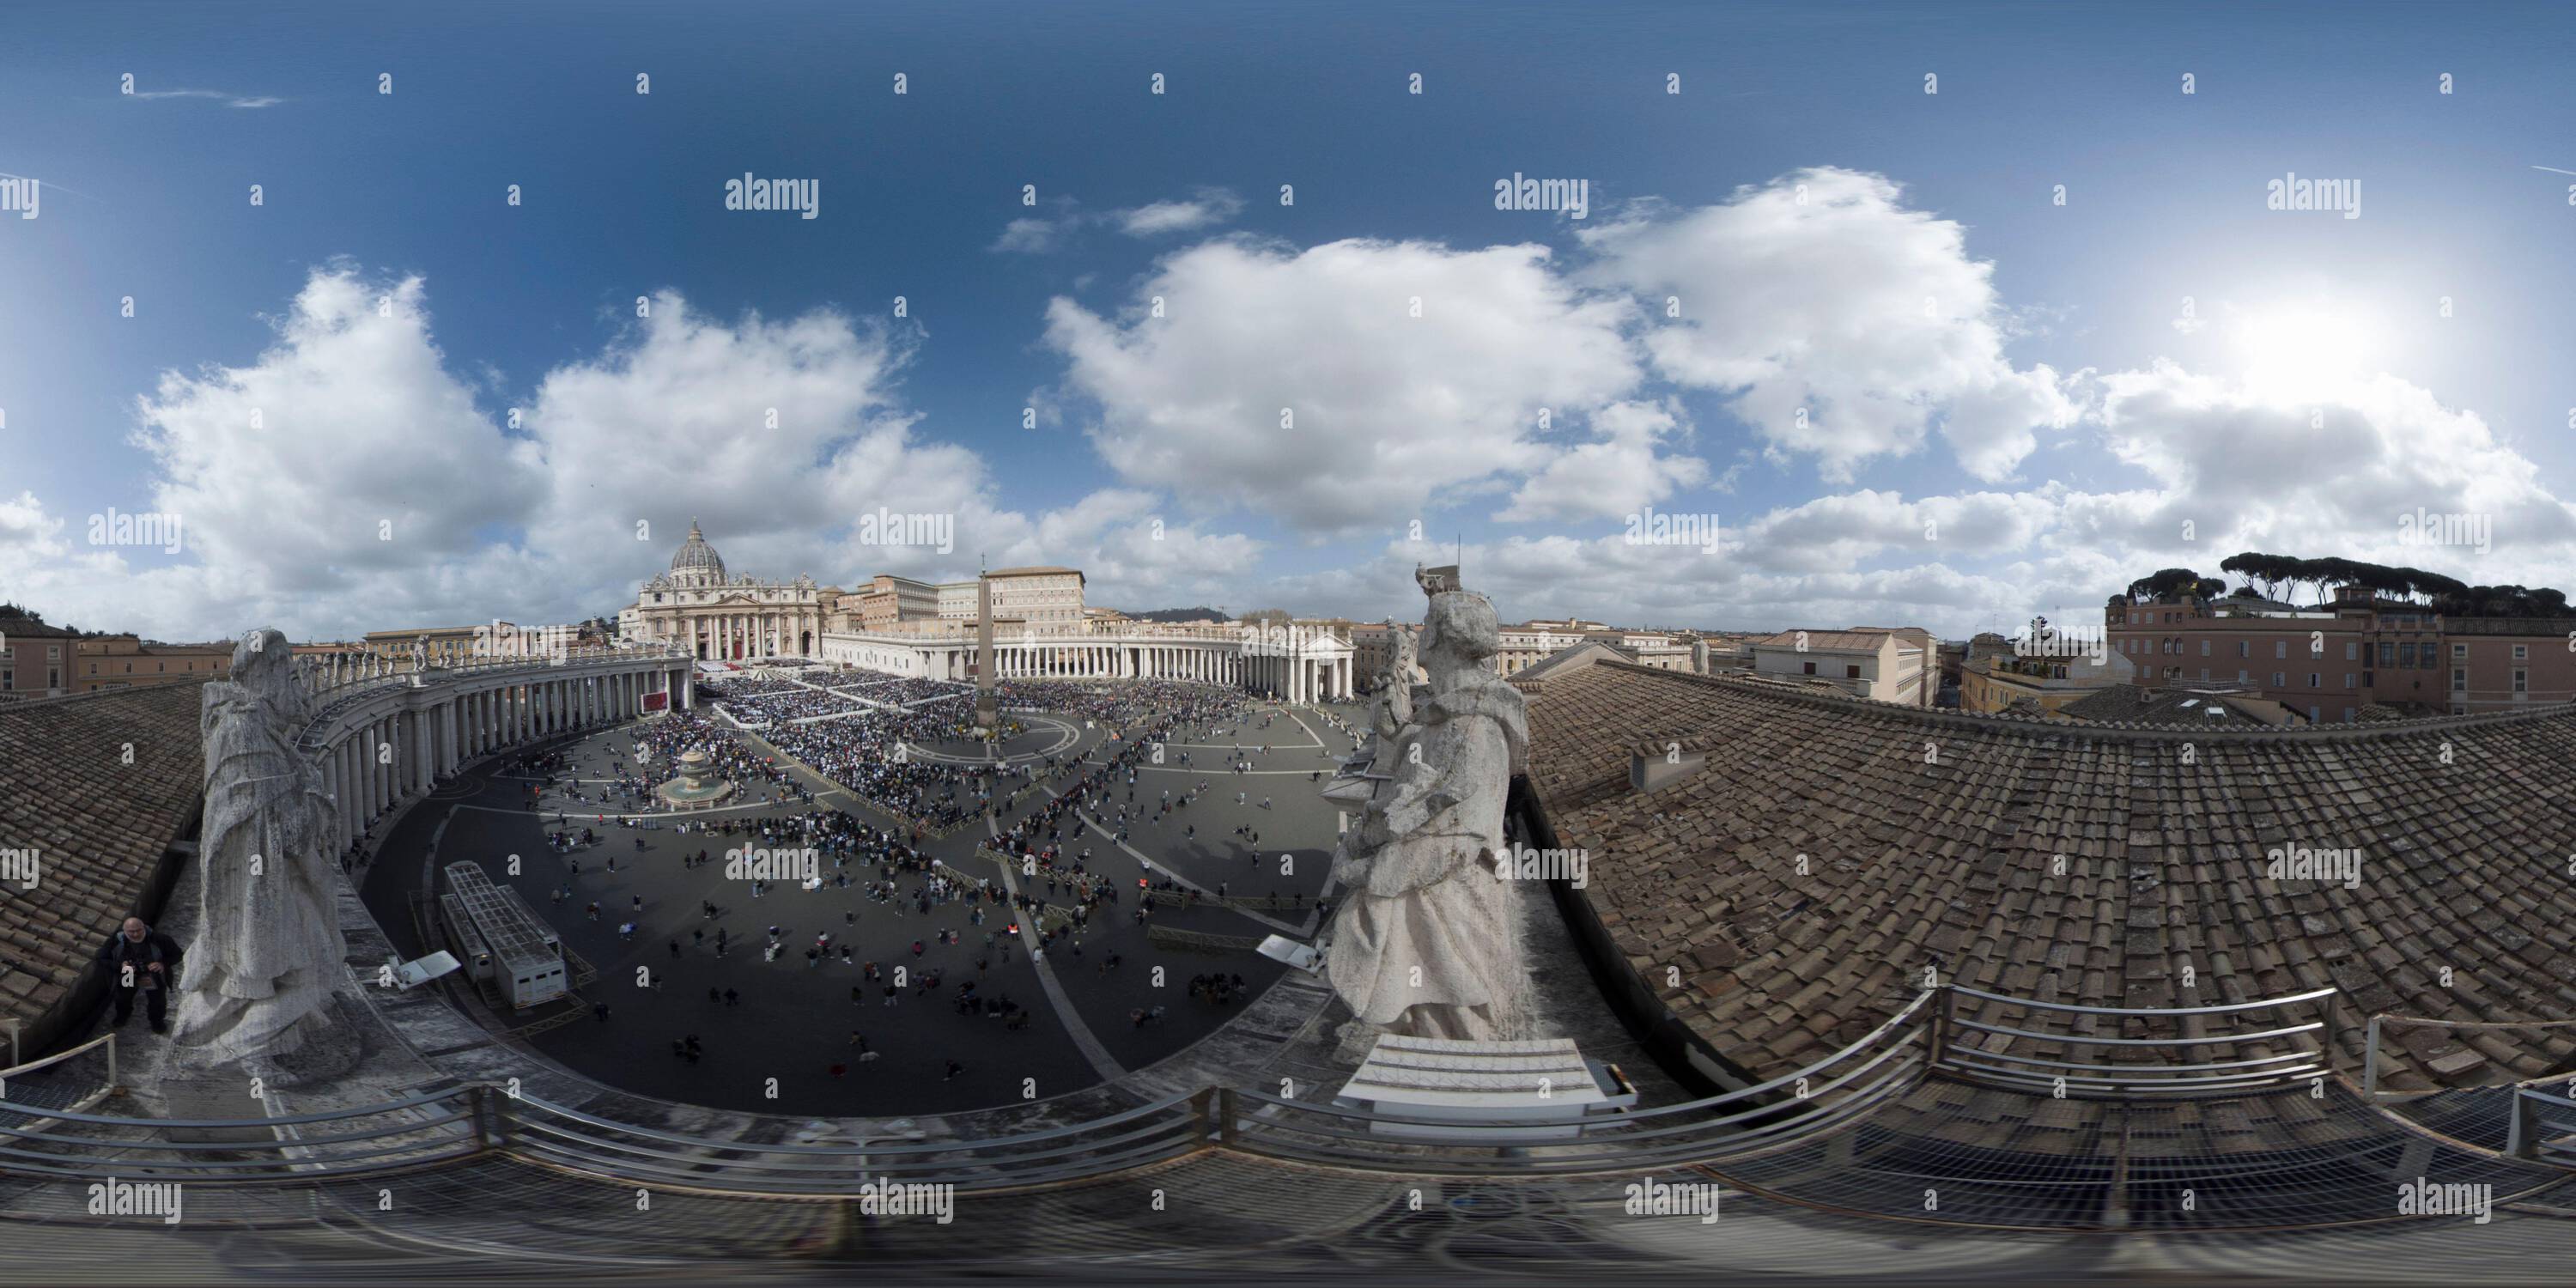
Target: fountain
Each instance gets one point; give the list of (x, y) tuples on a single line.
[(697, 787)]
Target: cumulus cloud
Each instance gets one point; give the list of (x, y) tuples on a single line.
[(1302, 384), (345, 480), (1619, 473), (1839, 323), (311, 464)]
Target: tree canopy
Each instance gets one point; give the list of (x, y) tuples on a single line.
[(2278, 575)]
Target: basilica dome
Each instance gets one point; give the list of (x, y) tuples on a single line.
[(697, 562)]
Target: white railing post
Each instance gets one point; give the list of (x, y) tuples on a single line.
[(2370, 1062)]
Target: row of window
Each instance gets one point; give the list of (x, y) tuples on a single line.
[(2392, 654)]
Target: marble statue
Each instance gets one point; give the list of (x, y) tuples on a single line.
[(1427, 940), (1392, 709), (268, 953), (420, 653)]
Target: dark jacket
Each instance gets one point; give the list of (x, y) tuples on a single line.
[(155, 947)]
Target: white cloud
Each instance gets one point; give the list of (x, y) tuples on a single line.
[(776, 434), (226, 97), (1618, 474), (1391, 413), (314, 463), (1820, 293), (1026, 237), (1212, 206)]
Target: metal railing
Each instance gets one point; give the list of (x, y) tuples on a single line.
[(63, 1087), (420, 1131), (1996, 1063), (2543, 1126), (1922, 1039), (1824, 1096)]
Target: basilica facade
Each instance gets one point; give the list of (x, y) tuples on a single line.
[(728, 619), (1040, 631)]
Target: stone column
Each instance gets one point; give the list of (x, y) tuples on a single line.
[(347, 757)]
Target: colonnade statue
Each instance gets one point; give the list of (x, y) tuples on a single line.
[(1427, 940), (268, 951)]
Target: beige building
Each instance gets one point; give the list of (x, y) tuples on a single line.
[(119, 661), (1994, 681), (889, 599), (445, 644), (719, 618), (1040, 596), (35, 660), (1880, 663)]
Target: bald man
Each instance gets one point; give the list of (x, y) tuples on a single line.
[(141, 958)]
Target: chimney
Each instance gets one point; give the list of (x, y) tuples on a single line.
[(1654, 766)]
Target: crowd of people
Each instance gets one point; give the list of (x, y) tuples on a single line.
[(949, 928)]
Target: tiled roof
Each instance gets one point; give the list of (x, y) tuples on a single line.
[(1531, 678), (1858, 641), (2134, 704), (27, 630), (99, 825), (1931, 839)]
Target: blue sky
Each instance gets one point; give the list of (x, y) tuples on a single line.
[(2039, 440)]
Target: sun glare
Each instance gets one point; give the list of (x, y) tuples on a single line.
[(2305, 352)]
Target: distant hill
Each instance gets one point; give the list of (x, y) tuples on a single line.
[(1180, 615)]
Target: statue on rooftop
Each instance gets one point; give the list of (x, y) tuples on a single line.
[(268, 951), (1392, 708), (1427, 941)]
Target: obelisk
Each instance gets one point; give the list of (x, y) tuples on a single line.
[(988, 706)]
